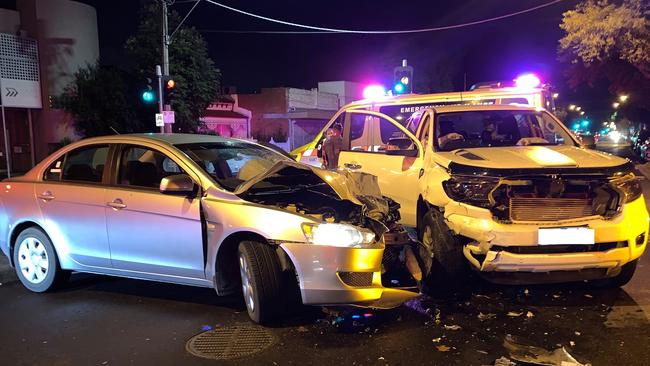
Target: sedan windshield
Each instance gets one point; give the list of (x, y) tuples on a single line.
[(497, 128), (233, 162)]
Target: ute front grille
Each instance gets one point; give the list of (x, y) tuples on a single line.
[(549, 209)]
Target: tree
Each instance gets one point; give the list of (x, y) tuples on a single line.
[(98, 100), (197, 80), (606, 40)]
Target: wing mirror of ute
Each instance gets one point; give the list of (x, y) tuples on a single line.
[(588, 142), (179, 184)]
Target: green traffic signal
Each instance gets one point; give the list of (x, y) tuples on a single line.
[(148, 96)]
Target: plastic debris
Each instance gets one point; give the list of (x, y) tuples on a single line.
[(503, 361), (537, 355), (530, 314), (515, 314), (453, 327), (443, 348), (487, 316), (381, 358), (436, 340), (589, 296), (577, 333)]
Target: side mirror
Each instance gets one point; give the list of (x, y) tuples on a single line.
[(409, 152), (179, 184), (588, 142)]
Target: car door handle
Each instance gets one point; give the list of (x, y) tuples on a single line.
[(117, 204), (352, 165), (46, 196)]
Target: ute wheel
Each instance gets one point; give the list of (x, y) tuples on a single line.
[(449, 265), (261, 280), (621, 279), (36, 262)]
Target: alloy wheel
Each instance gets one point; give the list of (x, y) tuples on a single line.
[(247, 286), (33, 260)]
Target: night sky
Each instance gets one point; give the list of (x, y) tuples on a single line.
[(495, 51)]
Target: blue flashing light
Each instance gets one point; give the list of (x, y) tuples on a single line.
[(585, 123), (576, 126), (148, 96), (356, 316), (399, 88)]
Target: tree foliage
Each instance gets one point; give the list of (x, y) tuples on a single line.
[(101, 97), (98, 99), (607, 40), (197, 80)]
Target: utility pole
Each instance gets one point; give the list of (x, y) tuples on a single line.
[(5, 133), (160, 95), (165, 65)]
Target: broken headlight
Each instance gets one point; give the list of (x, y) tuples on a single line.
[(337, 235), (630, 185), (472, 190)]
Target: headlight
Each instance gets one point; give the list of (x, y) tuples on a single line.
[(470, 190), (338, 235), (630, 186)]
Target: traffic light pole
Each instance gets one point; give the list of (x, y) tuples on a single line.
[(165, 65), (160, 94)]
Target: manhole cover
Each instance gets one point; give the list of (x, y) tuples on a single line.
[(230, 342)]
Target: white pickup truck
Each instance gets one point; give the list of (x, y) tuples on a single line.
[(505, 188)]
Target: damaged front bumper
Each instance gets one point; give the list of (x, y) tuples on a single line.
[(330, 275), (513, 247)]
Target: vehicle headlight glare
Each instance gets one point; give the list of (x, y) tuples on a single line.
[(338, 235)]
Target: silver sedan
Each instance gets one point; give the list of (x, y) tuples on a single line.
[(197, 210)]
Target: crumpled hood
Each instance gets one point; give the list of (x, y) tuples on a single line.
[(527, 157), (360, 189)]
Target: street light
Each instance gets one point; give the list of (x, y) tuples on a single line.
[(616, 104), (572, 107), (582, 113), (578, 108), (556, 95), (623, 98)]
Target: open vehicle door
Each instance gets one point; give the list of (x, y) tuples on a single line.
[(375, 143)]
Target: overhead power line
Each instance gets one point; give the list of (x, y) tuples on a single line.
[(318, 29)]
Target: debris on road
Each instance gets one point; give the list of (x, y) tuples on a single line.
[(514, 314), (503, 361), (487, 316), (436, 340), (530, 315), (453, 327), (443, 348), (537, 355)]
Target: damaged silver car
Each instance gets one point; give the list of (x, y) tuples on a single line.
[(206, 211)]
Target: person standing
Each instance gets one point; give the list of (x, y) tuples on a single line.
[(332, 147)]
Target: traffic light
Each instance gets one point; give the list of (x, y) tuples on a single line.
[(403, 79), (148, 94), (169, 88)]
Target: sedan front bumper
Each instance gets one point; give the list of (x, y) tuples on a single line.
[(331, 275)]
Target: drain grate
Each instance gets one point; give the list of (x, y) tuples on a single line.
[(230, 342)]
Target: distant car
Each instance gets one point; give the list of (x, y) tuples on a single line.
[(196, 210), (641, 144)]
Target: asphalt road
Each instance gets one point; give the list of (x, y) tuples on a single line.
[(98, 320)]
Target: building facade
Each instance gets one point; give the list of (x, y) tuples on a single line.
[(295, 116), (226, 118), (40, 50)]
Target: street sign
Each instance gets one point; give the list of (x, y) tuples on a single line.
[(168, 117), (19, 78), (160, 121)]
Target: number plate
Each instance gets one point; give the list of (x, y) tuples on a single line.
[(566, 236)]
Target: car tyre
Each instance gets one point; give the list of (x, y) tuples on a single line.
[(448, 265), (261, 279), (621, 279), (36, 262)]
